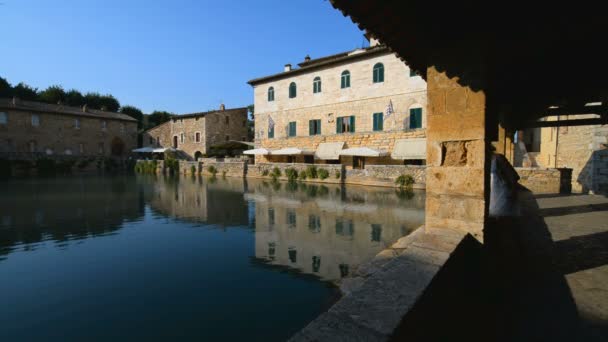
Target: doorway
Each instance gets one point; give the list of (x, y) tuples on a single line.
[(175, 141)]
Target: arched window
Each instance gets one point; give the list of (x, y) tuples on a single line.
[(378, 73), (270, 94), (292, 90), (345, 79), (316, 85)]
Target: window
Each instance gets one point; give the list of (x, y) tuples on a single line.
[(81, 148), (197, 137), (314, 127), (292, 129), (345, 228), (76, 123), (292, 90), (104, 125), (270, 94), (3, 118), (316, 85), (378, 73), (413, 73), (270, 132), (227, 137), (271, 216), (343, 270), (157, 141), (291, 219), (291, 251), (35, 120), (122, 128), (415, 118), (316, 263), (378, 121), (100, 148), (376, 232), (182, 137), (271, 249), (314, 223), (345, 124), (227, 120), (151, 140), (345, 79)]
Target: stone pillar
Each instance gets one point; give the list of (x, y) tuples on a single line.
[(509, 147), (501, 143), (458, 165)]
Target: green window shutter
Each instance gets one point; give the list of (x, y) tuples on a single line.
[(311, 127), (319, 126), (292, 129), (271, 133), (381, 75), (352, 123), (339, 125), (378, 121), (416, 118), (375, 122)]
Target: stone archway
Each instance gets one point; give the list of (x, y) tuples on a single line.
[(198, 154), (117, 147)]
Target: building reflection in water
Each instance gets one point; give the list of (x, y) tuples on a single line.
[(328, 231)]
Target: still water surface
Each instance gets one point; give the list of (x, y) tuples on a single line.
[(152, 258)]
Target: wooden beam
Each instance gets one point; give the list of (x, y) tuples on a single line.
[(562, 123)]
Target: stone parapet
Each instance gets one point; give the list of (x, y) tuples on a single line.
[(224, 168), (264, 170), (545, 181), (385, 175)]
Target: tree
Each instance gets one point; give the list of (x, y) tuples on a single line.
[(251, 111), (109, 103), (135, 113), (92, 100), (158, 117), (25, 92), (53, 94), (6, 90), (74, 98)]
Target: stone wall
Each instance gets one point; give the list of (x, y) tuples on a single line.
[(66, 134), (229, 168), (257, 171), (386, 175), (545, 181)]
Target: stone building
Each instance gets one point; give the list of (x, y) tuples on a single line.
[(356, 107), (34, 127), (194, 134)]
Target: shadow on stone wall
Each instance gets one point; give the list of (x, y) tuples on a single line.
[(594, 175)]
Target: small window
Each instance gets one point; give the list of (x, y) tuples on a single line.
[(415, 118), (151, 140), (3, 118), (345, 124), (157, 141), (104, 125), (345, 79), (376, 232), (270, 94), (292, 90), (378, 120), (316, 263), (35, 120), (76, 123), (314, 127), (314, 223), (413, 73), (292, 129), (378, 73), (271, 216), (270, 132), (227, 138), (291, 219), (316, 85), (197, 137), (291, 251), (227, 120), (182, 137)]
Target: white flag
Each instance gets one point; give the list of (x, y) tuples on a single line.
[(389, 109)]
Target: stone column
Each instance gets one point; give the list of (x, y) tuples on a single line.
[(458, 165)]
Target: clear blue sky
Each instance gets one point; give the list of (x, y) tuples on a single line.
[(175, 55)]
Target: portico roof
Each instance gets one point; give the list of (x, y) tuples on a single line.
[(363, 152), (290, 151), (257, 151)]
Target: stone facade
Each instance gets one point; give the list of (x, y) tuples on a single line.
[(545, 181), (195, 134), (44, 129), (361, 99)]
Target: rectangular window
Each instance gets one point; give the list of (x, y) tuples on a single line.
[(3, 118), (413, 73), (35, 120), (376, 232), (292, 129), (291, 219), (378, 121), (271, 216), (415, 118), (197, 137), (314, 223), (345, 124), (76, 123), (314, 127), (271, 132), (104, 125), (182, 137)]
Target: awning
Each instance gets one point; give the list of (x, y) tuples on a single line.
[(363, 152), (329, 150), (409, 149), (143, 150), (163, 149), (257, 151), (290, 151)]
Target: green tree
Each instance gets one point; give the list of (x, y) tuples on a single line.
[(53, 94), (158, 117), (25, 92), (109, 103), (74, 98), (135, 113), (251, 111), (92, 100), (5, 88)]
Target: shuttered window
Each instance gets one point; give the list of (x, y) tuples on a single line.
[(316, 85), (314, 127), (415, 118), (378, 73), (270, 94), (292, 129), (292, 90), (345, 79), (378, 120), (271, 132), (345, 124)]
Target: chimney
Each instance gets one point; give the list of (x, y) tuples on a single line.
[(307, 58), (373, 42), (84, 108), (222, 107), (287, 67)]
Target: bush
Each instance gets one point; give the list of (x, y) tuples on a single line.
[(323, 174), (338, 174), (265, 173), (302, 175), (311, 172), (405, 181), (292, 174), (172, 165), (193, 169), (276, 172), (212, 170)]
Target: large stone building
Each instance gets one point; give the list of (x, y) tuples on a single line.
[(34, 127), (357, 107), (195, 134)]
